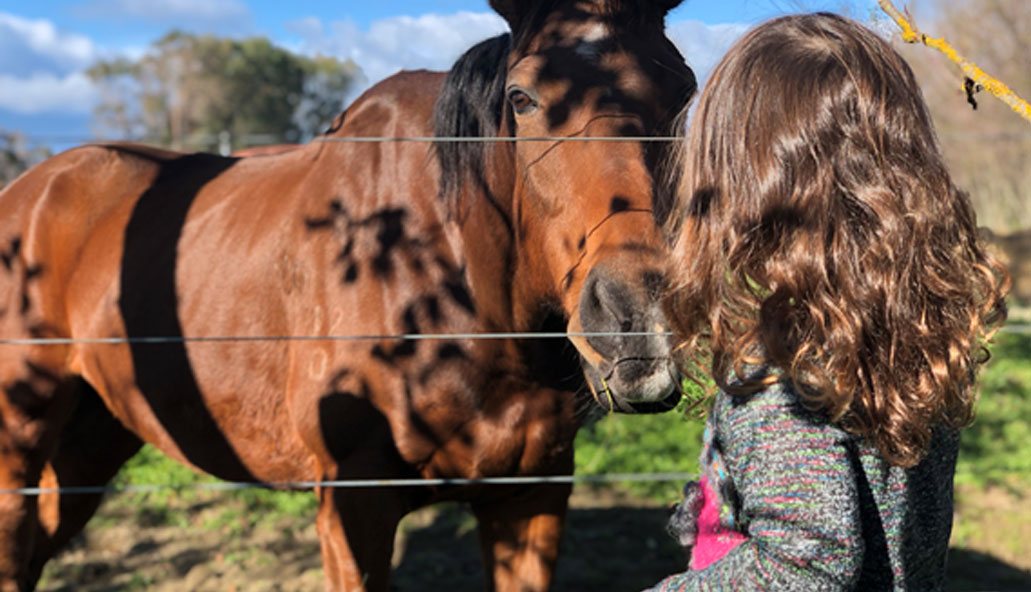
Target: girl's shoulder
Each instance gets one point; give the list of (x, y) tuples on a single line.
[(776, 412), (757, 442)]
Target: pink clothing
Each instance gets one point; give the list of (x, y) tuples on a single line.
[(713, 540)]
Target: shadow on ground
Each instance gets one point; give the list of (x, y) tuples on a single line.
[(618, 549), (973, 571), (610, 544), (603, 549)]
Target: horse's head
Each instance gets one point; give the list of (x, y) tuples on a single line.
[(583, 215)]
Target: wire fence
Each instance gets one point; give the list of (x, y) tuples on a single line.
[(287, 486), (491, 139), (666, 477), (224, 142), (55, 341), (653, 477), (258, 138), (1016, 328)]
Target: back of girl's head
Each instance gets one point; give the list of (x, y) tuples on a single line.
[(818, 230)]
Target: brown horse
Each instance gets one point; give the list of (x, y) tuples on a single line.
[(336, 238)]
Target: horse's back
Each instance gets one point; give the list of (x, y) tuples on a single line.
[(74, 184)]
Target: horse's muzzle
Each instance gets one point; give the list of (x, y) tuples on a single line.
[(635, 385), (626, 354)]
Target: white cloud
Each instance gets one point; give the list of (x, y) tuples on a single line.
[(41, 67), (430, 41), (29, 45), (45, 92), (702, 44), (435, 41), (196, 13)]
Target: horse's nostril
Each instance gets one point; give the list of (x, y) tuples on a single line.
[(632, 371), (609, 297), (626, 326)]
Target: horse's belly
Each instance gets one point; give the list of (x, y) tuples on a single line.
[(220, 406), (226, 423)]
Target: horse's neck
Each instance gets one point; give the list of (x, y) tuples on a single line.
[(478, 229)]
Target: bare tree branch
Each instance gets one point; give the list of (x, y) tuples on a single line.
[(976, 78)]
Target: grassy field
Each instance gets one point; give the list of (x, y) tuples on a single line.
[(991, 540)]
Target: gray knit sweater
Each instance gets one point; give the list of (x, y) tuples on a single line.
[(821, 509)]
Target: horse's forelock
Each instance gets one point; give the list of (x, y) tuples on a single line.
[(470, 106)]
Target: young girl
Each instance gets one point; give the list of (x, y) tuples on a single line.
[(831, 274)]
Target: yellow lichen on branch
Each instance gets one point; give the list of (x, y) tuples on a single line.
[(911, 35)]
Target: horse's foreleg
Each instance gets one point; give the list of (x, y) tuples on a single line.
[(17, 514), (356, 531), (92, 447), (33, 404), (520, 537)]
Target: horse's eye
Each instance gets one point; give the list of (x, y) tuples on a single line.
[(521, 101)]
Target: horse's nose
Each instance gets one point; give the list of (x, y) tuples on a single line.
[(609, 307), (630, 363), (632, 371)]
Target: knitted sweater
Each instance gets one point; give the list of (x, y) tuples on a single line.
[(821, 509)]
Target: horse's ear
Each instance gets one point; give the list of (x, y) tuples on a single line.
[(513, 11), (668, 5)]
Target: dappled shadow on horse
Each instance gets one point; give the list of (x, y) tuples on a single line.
[(333, 238)]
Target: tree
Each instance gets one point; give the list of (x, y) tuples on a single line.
[(188, 89), (16, 156)]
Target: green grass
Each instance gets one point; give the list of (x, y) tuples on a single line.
[(165, 506), (993, 450), (150, 467), (666, 443)]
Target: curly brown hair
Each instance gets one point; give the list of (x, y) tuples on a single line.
[(817, 231)]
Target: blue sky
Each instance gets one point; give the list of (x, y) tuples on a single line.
[(123, 21), (45, 45)]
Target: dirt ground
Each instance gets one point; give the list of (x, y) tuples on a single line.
[(612, 542)]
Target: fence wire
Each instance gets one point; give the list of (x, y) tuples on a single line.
[(490, 139), (218, 486), (258, 139), (158, 340), (298, 486), (356, 483), (1020, 329)]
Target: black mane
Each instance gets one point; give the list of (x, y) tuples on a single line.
[(470, 106)]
